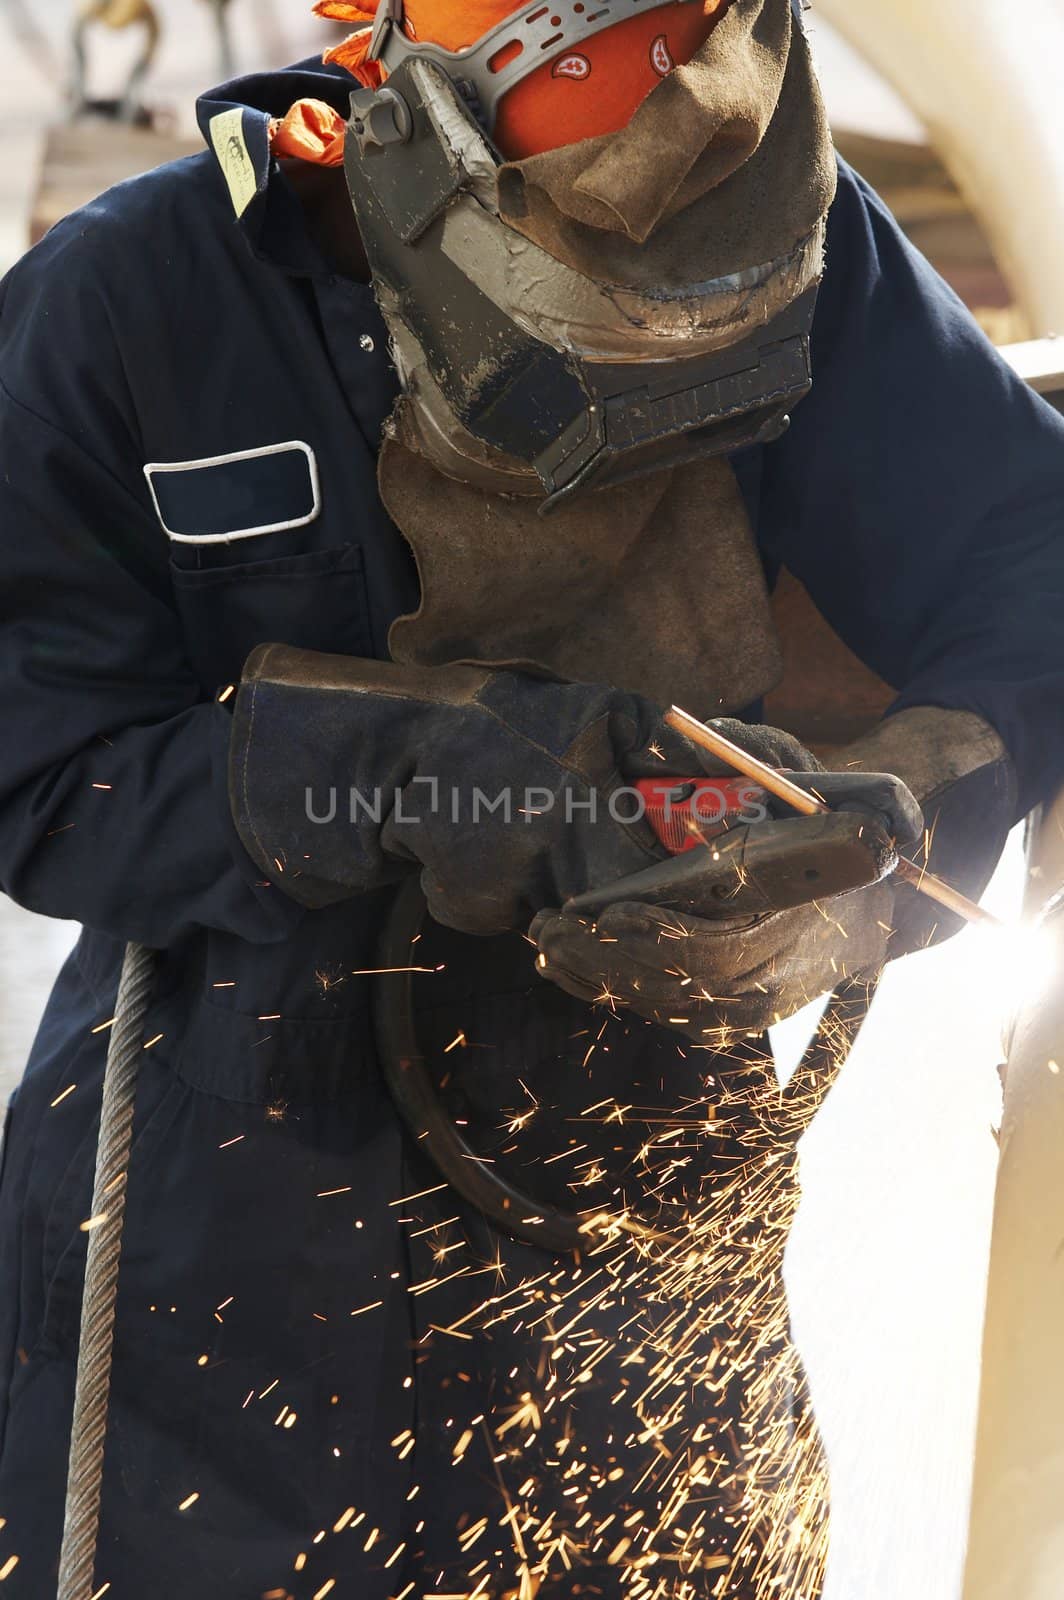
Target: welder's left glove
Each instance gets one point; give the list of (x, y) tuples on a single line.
[(727, 940), (715, 980), (710, 974)]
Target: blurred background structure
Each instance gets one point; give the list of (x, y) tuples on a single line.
[(888, 1264)]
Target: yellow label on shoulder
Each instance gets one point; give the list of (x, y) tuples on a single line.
[(230, 146)]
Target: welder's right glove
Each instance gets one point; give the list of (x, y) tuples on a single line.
[(957, 767), (497, 786)]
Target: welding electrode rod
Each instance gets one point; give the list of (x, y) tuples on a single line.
[(780, 785)]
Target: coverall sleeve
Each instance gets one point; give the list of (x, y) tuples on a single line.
[(113, 807), (921, 490)]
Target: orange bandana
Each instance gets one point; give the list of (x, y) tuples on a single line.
[(312, 131), (580, 94)]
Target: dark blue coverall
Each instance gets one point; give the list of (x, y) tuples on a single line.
[(919, 495)]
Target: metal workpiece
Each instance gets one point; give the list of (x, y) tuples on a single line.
[(1015, 1543)]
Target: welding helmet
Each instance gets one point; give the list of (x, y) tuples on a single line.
[(533, 366)]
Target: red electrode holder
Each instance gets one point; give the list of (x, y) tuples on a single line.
[(688, 812)]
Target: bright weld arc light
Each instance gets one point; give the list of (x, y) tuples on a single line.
[(1018, 963)]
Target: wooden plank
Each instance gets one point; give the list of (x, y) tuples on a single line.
[(82, 159), (936, 217), (893, 163)]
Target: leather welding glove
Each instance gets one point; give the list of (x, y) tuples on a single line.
[(345, 774), (742, 934), (959, 770), (713, 978)]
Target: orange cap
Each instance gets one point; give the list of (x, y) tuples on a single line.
[(578, 94)]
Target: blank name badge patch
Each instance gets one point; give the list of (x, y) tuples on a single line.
[(237, 496)]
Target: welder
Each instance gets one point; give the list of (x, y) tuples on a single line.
[(372, 483)]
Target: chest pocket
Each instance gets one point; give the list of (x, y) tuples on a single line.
[(252, 560)]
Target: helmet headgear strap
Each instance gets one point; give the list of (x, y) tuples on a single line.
[(524, 41)]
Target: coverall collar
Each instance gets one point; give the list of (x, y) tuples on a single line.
[(235, 121)]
